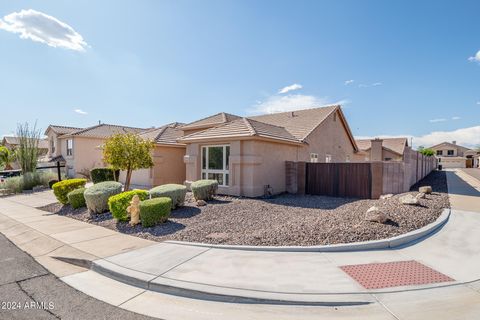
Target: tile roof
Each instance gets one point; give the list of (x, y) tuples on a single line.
[(216, 119), (42, 143), (396, 145), (104, 131), (167, 134), (451, 145), (62, 129), (299, 123), (243, 127)]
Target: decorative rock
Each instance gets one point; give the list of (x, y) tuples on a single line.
[(421, 195), (134, 210), (222, 236), (374, 214), (386, 196), (425, 189), (201, 203), (408, 199)]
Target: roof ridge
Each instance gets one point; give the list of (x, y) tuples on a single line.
[(335, 108), (249, 126), (268, 124)]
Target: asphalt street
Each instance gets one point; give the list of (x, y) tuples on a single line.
[(29, 291)]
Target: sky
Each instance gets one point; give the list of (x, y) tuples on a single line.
[(399, 68)]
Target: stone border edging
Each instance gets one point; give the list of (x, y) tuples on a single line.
[(389, 243)]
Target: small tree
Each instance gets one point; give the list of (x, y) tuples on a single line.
[(427, 152), (27, 150), (128, 152), (7, 157)]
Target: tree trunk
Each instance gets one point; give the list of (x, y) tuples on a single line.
[(127, 179)]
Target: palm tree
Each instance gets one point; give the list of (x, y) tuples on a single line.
[(7, 157)]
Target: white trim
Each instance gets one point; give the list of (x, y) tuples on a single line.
[(223, 171)]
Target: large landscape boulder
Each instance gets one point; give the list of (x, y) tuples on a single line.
[(374, 214), (386, 196), (408, 199), (420, 195), (425, 189)]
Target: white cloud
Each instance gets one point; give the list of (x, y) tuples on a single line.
[(40, 27), (292, 87), (467, 137), (347, 82), (478, 102), (476, 57), (437, 120), (291, 102), (456, 118), (375, 84), (80, 111)]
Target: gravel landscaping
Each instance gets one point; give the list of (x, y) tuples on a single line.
[(284, 220)]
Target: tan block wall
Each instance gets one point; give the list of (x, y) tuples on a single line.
[(168, 165)]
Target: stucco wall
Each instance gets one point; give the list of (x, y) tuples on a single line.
[(168, 165), (86, 154)]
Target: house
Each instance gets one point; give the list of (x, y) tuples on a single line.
[(385, 149), (247, 155), (80, 148), (451, 155), (11, 142)]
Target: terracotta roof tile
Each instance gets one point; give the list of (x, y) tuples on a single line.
[(167, 134), (63, 129), (105, 130), (216, 119)]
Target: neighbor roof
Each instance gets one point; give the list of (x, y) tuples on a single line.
[(62, 129), (450, 144), (243, 127), (396, 145), (104, 130), (42, 143), (216, 119), (167, 134)]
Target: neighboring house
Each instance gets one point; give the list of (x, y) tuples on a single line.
[(451, 155), (81, 148), (247, 155), (12, 143), (385, 149)]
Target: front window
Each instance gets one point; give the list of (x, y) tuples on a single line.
[(450, 152), (439, 152), (215, 164), (328, 158), (69, 147), (313, 157)]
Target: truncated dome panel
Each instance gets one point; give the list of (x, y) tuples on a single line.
[(393, 274)]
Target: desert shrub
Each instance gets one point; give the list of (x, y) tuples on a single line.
[(51, 182), (204, 189), (96, 197), (13, 184), (176, 192), (62, 188), (76, 198), (102, 174), (118, 203), (153, 211)]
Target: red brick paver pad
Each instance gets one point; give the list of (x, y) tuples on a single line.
[(393, 274)]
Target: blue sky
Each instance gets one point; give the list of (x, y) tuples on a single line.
[(414, 64)]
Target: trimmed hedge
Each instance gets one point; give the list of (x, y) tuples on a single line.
[(52, 182), (118, 204), (176, 192), (96, 197), (204, 189), (153, 211), (102, 174), (62, 188), (76, 198)]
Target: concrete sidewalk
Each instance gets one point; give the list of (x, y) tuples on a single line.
[(312, 279)]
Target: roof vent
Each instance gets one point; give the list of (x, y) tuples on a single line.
[(292, 114), (454, 142)]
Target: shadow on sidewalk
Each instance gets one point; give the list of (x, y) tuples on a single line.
[(460, 187)]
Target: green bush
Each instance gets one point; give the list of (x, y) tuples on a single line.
[(204, 189), (96, 197), (118, 204), (62, 188), (27, 181), (51, 182), (76, 198), (153, 211), (176, 192), (102, 174)]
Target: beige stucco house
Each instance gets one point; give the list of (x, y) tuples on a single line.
[(81, 150), (381, 149), (451, 155), (12, 143), (247, 155)]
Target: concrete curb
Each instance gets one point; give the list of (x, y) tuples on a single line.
[(389, 243)]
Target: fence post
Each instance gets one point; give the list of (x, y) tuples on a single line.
[(376, 169), (58, 171)]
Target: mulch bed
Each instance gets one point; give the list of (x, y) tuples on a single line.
[(284, 220)]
